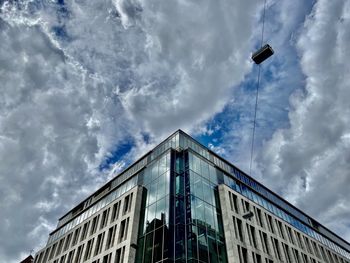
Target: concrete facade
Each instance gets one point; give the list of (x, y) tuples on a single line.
[(265, 238), (109, 235)]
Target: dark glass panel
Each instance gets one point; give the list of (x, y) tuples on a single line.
[(167, 241), (140, 246), (221, 252), (179, 210), (213, 254), (158, 244), (180, 241), (192, 241), (202, 245), (148, 248)]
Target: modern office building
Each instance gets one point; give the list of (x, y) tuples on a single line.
[(183, 203)]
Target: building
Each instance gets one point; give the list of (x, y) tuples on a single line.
[(28, 259), (183, 203)]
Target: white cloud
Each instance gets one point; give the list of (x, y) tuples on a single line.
[(195, 53), (79, 78)]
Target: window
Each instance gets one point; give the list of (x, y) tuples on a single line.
[(258, 217), (323, 253), (85, 230), (307, 243), (119, 255), (110, 236), (252, 237), (63, 258), (245, 205), (127, 203), (66, 245), (76, 236), (52, 252), (104, 218), (233, 202), (300, 242), (70, 256), (314, 245), (280, 228), (88, 249), (304, 257), (290, 235), (330, 255), (123, 231), (256, 257), (296, 255), (286, 252), (276, 248), (242, 253), (94, 224), (59, 248), (269, 223), (38, 259), (107, 258), (79, 253), (99, 243), (239, 230), (46, 254), (263, 237), (115, 211)]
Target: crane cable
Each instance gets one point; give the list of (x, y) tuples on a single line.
[(257, 94)]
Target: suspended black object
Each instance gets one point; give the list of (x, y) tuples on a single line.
[(262, 54)]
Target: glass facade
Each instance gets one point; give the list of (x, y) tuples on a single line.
[(204, 230), (182, 216), (153, 243)]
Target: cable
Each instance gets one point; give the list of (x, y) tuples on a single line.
[(257, 94), (254, 123)]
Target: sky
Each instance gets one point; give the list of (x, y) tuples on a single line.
[(87, 87)]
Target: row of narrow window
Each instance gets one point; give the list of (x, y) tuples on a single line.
[(278, 228), (90, 228), (119, 257)]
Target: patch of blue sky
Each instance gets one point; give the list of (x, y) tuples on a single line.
[(236, 119), (117, 153)]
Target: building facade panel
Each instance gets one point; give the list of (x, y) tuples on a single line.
[(254, 234), (109, 235)]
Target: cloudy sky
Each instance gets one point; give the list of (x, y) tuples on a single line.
[(84, 84)]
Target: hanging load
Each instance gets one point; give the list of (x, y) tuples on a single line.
[(262, 54)]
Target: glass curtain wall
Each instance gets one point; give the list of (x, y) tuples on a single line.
[(182, 215), (153, 245), (199, 234)]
